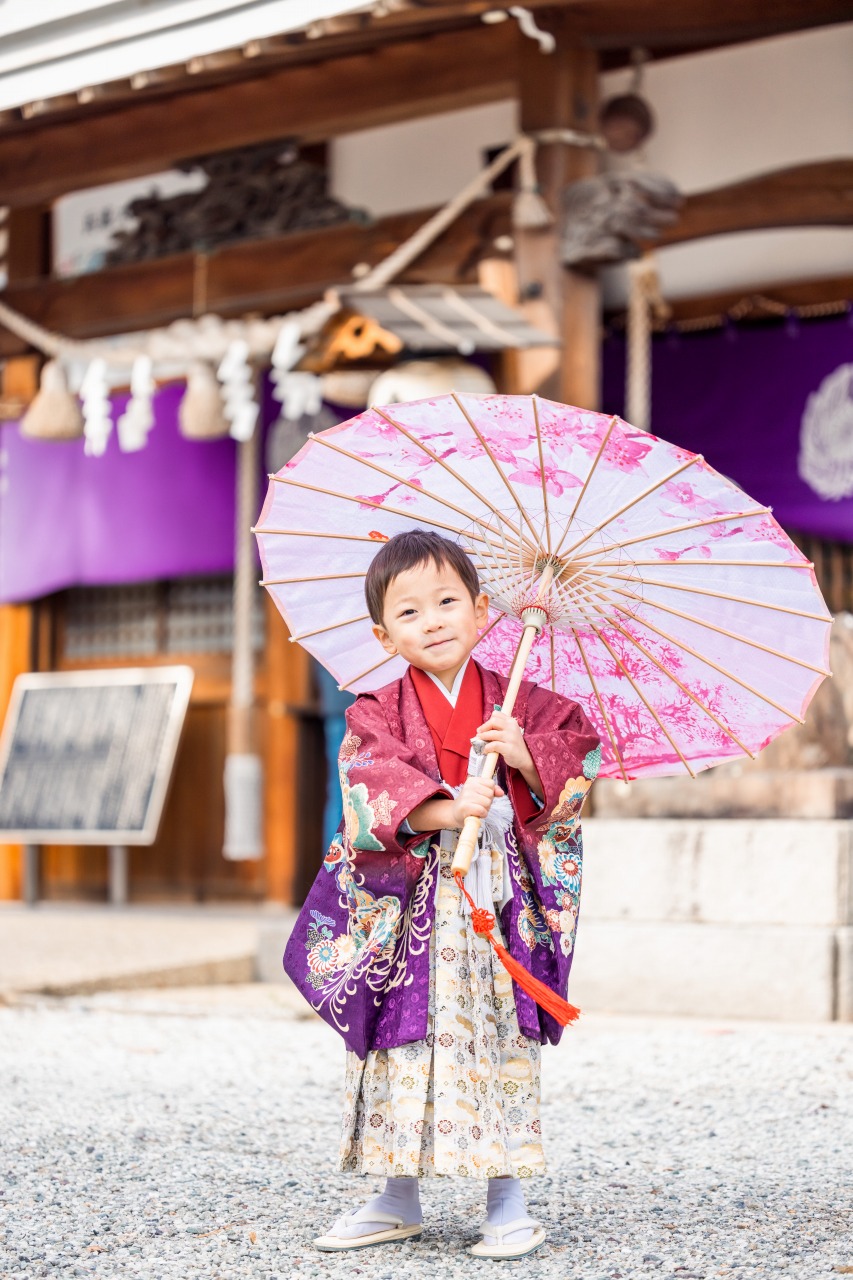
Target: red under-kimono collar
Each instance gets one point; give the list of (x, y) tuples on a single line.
[(452, 728)]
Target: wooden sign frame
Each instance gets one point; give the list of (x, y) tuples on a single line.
[(179, 676)]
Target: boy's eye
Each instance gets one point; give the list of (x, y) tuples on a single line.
[(406, 613), (449, 600)]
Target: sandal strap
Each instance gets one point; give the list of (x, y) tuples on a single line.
[(499, 1232), (366, 1214)]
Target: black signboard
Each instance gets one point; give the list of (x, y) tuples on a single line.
[(86, 756)]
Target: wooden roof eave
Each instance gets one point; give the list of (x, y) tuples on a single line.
[(410, 63)]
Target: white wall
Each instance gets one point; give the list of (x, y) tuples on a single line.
[(736, 112), (420, 163), (722, 116)]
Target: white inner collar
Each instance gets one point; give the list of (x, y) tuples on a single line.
[(451, 694)]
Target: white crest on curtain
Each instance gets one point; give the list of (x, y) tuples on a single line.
[(826, 437)]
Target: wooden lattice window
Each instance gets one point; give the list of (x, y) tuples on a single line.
[(833, 566), (189, 615)]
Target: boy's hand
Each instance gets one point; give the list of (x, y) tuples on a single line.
[(474, 800), (504, 735)]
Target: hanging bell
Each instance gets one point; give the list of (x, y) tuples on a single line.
[(55, 413), (201, 416)]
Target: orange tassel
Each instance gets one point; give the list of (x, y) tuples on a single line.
[(483, 921)]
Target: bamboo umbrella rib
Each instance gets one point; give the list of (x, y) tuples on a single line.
[(378, 506), (489, 628), (494, 462), (683, 687), (326, 577), (307, 533), (724, 671), (398, 479), (389, 657), (643, 699), (723, 595), (694, 560), (591, 678), (731, 635), (404, 431), (586, 482), (330, 626), (542, 473), (553, 663), (641, 497), (491, 554), (678, 528)]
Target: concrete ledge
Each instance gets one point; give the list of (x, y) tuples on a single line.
[(271, 943), (724, 793), (63, 949), (844, 976), (708, 970), (748, 872), (237, 969)]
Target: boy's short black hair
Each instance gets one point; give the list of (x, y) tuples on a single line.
[(406, 551)]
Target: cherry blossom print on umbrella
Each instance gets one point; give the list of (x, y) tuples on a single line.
[(667, 602)]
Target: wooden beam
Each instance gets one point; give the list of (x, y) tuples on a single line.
[(559, 91), (806, 195), (659, 24), (268, 276), (401, 81), (29, 236), (812, 296)]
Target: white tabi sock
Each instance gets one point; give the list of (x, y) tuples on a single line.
[(401, 1196), (505, 1203)]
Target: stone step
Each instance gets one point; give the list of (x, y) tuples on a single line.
[(730, 792), (728, 872), (713, 971)]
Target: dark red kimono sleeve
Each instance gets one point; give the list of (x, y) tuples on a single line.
[(382, 780), (565, 749)]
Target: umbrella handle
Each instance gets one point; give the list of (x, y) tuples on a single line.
[(471, 827), (467, 842)]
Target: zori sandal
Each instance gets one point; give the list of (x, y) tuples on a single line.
[(397, 1229), (494, 1243)]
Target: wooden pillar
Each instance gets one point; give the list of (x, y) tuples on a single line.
[(29, 250), (27, 258), (288, 689), (15, 651), (559, 90)]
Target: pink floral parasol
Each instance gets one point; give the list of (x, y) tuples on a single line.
[(674, 608)]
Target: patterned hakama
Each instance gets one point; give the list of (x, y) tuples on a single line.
[(464, 1101)]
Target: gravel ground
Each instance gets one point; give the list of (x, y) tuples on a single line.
[(189, 1134)]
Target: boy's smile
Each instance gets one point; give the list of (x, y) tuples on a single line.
[(430, 620)]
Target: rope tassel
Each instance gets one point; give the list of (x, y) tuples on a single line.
[(483, 921)]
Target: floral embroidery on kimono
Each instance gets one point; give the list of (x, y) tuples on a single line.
[(361, 814), (561, 853)]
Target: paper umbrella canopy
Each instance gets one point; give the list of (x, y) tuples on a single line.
[(676, 610)]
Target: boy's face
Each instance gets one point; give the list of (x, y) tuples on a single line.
[(430, 620)]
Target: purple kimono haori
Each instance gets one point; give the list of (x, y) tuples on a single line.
[(443, 1062)]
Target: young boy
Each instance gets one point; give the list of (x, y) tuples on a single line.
[(443, 1064)]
